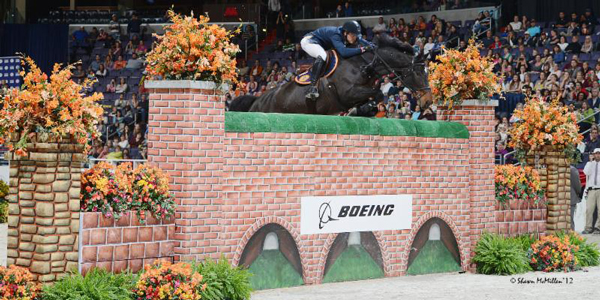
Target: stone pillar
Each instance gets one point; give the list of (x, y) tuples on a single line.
[(186, 129), (44, 208), (555, 176), (478, 116)]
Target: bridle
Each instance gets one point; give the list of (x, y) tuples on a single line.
[(404, 72)]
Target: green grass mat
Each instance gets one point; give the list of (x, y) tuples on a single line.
[(433, 258), (272, 270), (353, 264)]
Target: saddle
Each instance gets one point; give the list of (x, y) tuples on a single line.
[(331, 64)]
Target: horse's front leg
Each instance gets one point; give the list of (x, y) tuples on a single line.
[(358, 95)]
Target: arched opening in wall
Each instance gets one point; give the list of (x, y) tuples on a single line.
[(434, 249), (353, 256), (272, 256)]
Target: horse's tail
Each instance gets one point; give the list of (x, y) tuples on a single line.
[(242, 103)]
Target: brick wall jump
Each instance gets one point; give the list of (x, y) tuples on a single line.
[(230, 184), (124, 244)]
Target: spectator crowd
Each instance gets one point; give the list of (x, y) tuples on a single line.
[(551, 59), (114, 59)]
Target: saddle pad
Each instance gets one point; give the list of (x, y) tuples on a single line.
[(332, 63)]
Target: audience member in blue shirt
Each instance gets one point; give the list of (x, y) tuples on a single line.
[(559, 56), (534, 30), (417, 113), (348, 12), (80, 36)]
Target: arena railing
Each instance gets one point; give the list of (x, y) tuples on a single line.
[(116, 162), (462, 15)]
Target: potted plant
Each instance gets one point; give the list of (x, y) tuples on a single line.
[(48, 109), (517, 185), (116, 191), (462, 75), (545, 137), (192, 49), (545, 126)]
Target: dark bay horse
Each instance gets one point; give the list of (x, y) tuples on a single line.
[(350, 85)]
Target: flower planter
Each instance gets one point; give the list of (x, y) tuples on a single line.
[(44, 189), (117, 245)]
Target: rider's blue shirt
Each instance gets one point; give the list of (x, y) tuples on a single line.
[(331, 37)]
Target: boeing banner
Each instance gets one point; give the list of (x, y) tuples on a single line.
[(337, 214)]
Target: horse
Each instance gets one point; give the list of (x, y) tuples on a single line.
[(351, 85)]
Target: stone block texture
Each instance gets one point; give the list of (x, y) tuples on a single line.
[(230, 184), (555, 176), (44, 208), (126, 243)]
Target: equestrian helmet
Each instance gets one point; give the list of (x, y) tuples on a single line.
[(352, 27)]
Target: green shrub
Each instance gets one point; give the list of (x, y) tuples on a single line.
[(495, 254), (587, 254), (525, 241), (4, 189), (97, 284), (223, 281), (3, 211)]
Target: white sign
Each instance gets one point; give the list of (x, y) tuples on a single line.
[(355, 213)]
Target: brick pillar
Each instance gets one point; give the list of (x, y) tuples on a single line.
[(44, 208), (478, 116), (555, 176), (186, 128)]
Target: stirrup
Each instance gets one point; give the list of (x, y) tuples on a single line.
[(313, 93)]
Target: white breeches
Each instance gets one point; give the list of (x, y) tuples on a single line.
[(313, 49)]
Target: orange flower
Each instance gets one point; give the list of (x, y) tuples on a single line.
[(53, 107), (193, 49), (544, 124), (462, 75), (163, 280), (17, 283)]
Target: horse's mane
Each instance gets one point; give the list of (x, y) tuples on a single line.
[(384, 40)]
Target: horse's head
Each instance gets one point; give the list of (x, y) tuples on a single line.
[(394, 56)]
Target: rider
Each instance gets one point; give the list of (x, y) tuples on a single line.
[(317, 42)]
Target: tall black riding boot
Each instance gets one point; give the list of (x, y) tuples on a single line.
[(317, 69)]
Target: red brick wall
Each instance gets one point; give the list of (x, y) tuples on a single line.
[(185, 138), (230, 184), (124, 244), (480, 122), (520, 218), (266, 174)]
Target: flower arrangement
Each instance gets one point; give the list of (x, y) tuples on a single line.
[(586, 253), (545, 124), (552, 253), (162, 280), (151, 192), (462, 75), (193, 49), (116, 190), (49, 107), (17, 283), (518, 183), (106, 189)]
